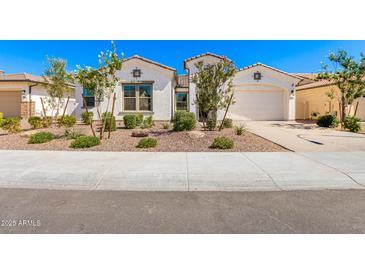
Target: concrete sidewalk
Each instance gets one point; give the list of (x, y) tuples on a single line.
[(182, 171)]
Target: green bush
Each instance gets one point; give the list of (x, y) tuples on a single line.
[(228, 123), (327, 121), (184, 120), (46, 121), (85, 142), (239, 130), (139, 119), (211, 124), (352, 123), (130, 121), (40, 137), (1, 117), (147, 142), (166, 125), (87, 117), (72, 134), (222, 143), (106, 117), (67, 121), (147, 122), (11, 124), (35, 122)]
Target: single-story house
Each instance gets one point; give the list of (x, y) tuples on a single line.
[(21, 93), (151, 88), (312, 98)]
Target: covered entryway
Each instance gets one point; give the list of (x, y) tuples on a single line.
[(258, 105), (10, 103)]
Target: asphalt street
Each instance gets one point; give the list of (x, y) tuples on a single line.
[(85, 211)]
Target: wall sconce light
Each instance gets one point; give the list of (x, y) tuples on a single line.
[(257, 76)]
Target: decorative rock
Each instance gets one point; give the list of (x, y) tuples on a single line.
[(140, 133), (196, 134)]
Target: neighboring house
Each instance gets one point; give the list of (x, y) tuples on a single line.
[(150, 88), (312, 98), (21, 93)]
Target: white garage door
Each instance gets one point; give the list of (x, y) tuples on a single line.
[(258, 105), (10, 103)]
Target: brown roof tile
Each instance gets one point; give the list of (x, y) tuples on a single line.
[(183, 81)]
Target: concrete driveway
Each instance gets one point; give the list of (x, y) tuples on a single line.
[(180, 171), (306, 137)]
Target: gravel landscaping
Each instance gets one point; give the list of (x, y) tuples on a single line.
[(121, 140)]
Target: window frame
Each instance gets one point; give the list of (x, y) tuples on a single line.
[(187, 100), (137, 97)]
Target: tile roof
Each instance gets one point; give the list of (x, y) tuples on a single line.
[(206, 54), (149, 61), (275, 69), (316, 84), (183, 81), (23, 77)]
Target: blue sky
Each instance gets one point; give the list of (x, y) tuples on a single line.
[(290, 56)]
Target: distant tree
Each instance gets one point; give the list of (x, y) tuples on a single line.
[(348, 75), (214, 88), (101, 81), (57, 83)]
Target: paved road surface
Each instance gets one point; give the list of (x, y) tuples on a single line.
[(60, 211)]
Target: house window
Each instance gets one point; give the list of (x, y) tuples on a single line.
[(89, 98), (137, 97), (181, 101)]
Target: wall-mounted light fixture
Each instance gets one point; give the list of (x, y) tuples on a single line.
[(257, 76), (136, 73)]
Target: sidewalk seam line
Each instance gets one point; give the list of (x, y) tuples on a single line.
[(264, 171), (340, 171)]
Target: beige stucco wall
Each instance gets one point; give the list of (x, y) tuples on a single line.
[(316, 100)]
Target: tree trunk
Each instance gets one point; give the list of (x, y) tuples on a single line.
[(64, 111), (111, 116), (91, 122), (104, 121), (357, 106), (44, 110), (225, 113)]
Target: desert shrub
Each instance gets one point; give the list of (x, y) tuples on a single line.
[(140, 133), (85, 142), (166, 125), (40, 137), (147, 142), (228, 123), (147, 122), (46, 121), (222, 143), (184, 120), (67, 121), (106, 117), (11, 124), (35, 122), (211, 124), (1, 117), (87, 117), (72, 134), (352, 123), (139, 119), (130, 121), (239, 130), (327, 121)]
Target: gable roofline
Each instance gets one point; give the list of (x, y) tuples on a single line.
[(206, 54), (271, 68), (24, 77), (149, 61)]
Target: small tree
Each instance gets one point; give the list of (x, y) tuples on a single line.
[(57, 83), (214, 88), (101, 81), (349, 76)]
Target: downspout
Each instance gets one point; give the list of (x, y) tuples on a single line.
[(30, 98)]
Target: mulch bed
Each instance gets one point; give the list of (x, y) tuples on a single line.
[(168, 141)]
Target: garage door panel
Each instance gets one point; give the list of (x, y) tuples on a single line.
[(258, 105), (10, 102)]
